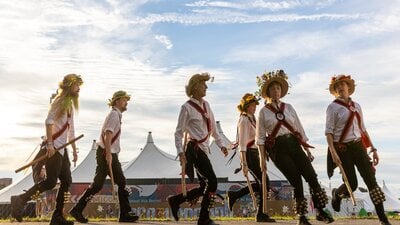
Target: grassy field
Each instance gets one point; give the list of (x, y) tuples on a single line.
[(221, 221)]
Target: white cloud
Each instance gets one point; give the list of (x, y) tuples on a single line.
[(164, 40), (262, 4)]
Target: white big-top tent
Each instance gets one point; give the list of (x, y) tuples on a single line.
[(16, 188), (152, 163), (85, 171)]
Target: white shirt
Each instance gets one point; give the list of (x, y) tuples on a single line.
[(267, 120), (68, 134), (246, 132), (191, 121), (336, 119), (112, 123)]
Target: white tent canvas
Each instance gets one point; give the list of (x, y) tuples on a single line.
[(222, 170), (152, 163), (16, 188), (85, 171)]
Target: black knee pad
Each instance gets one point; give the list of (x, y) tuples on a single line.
[(300, 206), (319, 197), (377, 195)]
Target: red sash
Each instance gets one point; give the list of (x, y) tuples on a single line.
[(113, 138), (63, 128), (282, 121), (353, 113), (205, 117)]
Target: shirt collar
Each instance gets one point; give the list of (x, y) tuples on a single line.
[(197, 101), (119, 112)]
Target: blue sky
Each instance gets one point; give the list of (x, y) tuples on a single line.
[(150, 49)]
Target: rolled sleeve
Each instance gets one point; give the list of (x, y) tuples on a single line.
[(71, 132), (261, 129), (50, 119), (330, 124), (180, 129), (243, 134)]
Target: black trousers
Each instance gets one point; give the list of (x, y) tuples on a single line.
[(57, 167), (355, 155), (206, 177), (253, 163), (98, 181), (289, 157)]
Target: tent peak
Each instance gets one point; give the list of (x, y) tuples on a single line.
[(150, 138)]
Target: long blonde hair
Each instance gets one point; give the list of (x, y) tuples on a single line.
[(64, 101)]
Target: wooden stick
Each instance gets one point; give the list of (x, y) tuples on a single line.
[(346, 182), (264, 181), (112, 181), (253, 197), (43, 157), (183, 172)]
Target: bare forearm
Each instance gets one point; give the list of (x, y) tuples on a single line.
[(49, 132)]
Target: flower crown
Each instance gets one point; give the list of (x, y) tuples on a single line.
[(267, 76), (246, 100), (70, 79), (340, 77)]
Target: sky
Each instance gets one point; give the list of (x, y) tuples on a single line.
[(151, 48)]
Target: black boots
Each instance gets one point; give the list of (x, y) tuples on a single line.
[(303, 221), (206, 222), (174, 201), (58, 219), (128, 217), (17, 206), (336, 200), (262, 217), (385, 223), (76, 212), (323, 216)]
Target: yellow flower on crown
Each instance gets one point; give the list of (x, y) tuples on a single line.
[(71, 79), (246, 100), (267, 78)]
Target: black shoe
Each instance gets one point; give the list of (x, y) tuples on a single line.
[(324, 217), (174, 205), (336, 200), (58, 219), (128, 217), (303, 221), (77, 214), (231, 198), (262, 217), (385, 222), (206, 222), (17, 205)]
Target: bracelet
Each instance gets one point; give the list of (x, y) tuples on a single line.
[(373, 149)]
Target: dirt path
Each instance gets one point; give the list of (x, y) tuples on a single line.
[(279, 222)]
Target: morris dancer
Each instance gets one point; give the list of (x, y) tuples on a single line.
[(281, 137), (249, 157), (107, 157), (197, 120), (348, 141), (59, 129)]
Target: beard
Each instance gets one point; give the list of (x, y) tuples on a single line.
[(65, 101)]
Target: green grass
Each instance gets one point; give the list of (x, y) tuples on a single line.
[(114, 219)]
